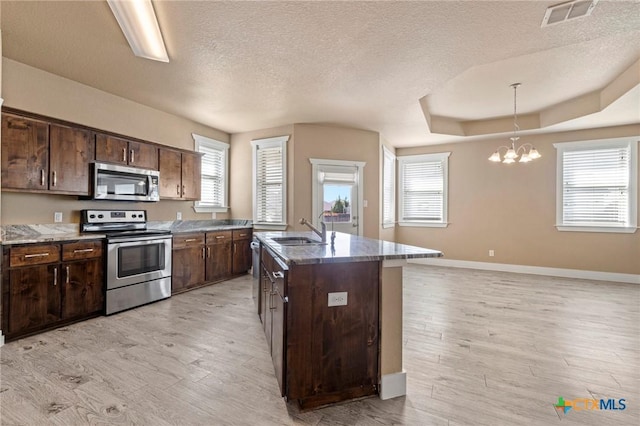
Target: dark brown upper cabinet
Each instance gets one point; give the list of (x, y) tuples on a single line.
[(38, 156), (179, 174), (121, 151)]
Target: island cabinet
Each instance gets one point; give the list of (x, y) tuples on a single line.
[(38, 156), (112, 149), (179, 174), (321, 354), (48, 285)]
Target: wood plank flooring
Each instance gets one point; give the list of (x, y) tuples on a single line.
[(481, 348)]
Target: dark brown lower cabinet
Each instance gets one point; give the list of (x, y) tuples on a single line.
[(188, 262), (48, 285), (82, 291), (218, 262), (321, 354)]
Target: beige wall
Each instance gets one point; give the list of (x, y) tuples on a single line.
[(307, 141), (34, 90), (512, 210), (336, 143)]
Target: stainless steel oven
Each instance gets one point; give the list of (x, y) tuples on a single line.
[(138, 267)]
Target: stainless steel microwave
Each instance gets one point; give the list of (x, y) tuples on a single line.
[(113, 182)]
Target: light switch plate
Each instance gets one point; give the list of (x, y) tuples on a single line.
[(338, 298), (179, 216), (57, 217)]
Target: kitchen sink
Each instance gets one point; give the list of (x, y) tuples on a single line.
[(296, 241)]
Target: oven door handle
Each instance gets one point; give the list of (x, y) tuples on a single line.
[(140, 241)]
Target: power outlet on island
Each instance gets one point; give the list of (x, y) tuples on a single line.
[(178, 215), (57, 217), (492, 253), (338, 299)]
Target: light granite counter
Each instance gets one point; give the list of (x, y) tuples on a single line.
[(346, 248), (184, 226), (29, 234)]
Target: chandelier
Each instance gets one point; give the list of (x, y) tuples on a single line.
[(529, 152)]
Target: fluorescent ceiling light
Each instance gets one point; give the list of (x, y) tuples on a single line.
[(140, 26)]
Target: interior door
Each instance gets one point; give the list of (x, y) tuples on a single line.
[(338, 195)]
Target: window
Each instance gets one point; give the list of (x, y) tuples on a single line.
[(388, 188), (596, 186), (214, 174), (423, 189), (269, 183)]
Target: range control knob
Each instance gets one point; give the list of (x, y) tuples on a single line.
[(100, 216), (92, 216)]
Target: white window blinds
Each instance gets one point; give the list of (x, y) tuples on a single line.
[(270, 181), (596, 185), (388, 188), (423, 183), (214, 173)]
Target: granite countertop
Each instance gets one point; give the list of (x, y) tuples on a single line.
[(347, 248), (56, 232)]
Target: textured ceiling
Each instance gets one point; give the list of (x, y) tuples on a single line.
[(240, 66)]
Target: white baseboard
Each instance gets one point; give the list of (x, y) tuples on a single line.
[(393, 385), (534, 270)]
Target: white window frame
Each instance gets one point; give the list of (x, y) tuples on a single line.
[(388, 222), (204, 207), (561, 148), (281, 142), (423, 158)]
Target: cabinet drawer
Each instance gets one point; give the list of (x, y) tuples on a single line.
[(242, 234), (219, 237), (81, 250), (188, 240), (34, 255)]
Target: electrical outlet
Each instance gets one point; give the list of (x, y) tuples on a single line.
[(338, 299), (492, 253), (179, 216), (57, 217), (365, 203)]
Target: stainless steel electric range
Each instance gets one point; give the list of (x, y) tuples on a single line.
[(138, 267)]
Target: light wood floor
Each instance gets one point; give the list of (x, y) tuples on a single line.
[(481, 348)]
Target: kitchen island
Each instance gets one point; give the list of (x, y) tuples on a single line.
[(332, 314)]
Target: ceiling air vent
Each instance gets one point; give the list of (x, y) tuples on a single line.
[(564, 12)]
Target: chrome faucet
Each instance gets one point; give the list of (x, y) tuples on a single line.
[(322, 234)]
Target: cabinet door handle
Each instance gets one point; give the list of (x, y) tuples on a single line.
[(278, 274), (132, 156), (203, 252), (178, 189), (19, 125), (218, 237), (124, 154), (68, 274), (188, 240), (55, 276), (208, 252), (55, 178), (183, 190), (243, 235), (29, 256), (271, 307), (42, 177), (87, 250), (235, 248)]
